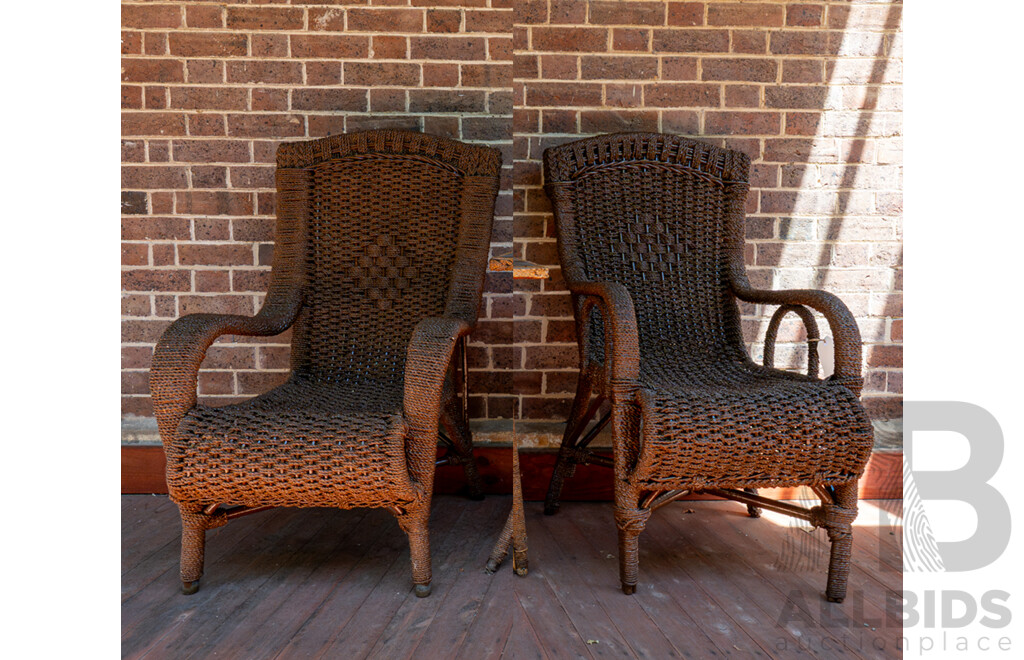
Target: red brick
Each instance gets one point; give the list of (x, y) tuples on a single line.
[(802, 71), (206, 125), (629, 39), (669, 95), (627, 13), (266, 125), (690, 41), (443, 20), (559, 121), (387, 100), (679, 68), (212, 281), (573, 12), (134, 254), (864, 17), (152, 70), (742, 96), (320, 74), (269, 45), (686, 13), (488, 20), (752, 42), (686, 122), (448, 48), (429, 100), (211, 151), (209, 176), (150, 16), (559, 67), (550, 357), (131, 43), (746, 13), (382, 73), (546, 407), (525, 66), (156, 280), (385, 20), (563, 94), (327, 20), (739, 69), (742, 123), (209, 98), (440, 75), (550, 305), (155, 98), (264, 72), (329, 46), (887, 355), (612, 121), (804, 15), (570, 39), (265, 18), (154, 43), (389, 47), (204, 16), (602, 67), (222, 304), (250, 280), (530, 11), (214, 203), (791, 42), (326, 99), (137, 357), (208, 44), (153, 176), (131, 97), (204, 71)]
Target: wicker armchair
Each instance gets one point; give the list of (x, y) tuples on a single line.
[(651, 236), (380, 253)]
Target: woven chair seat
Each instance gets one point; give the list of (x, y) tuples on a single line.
[(767, 429), (301, 444)]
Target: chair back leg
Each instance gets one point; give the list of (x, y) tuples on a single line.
[(838, 524)]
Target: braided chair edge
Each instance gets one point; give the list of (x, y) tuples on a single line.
[(467, 159), (565, 162)]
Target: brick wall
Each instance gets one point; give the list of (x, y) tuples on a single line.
[(811, 90), (208, 92)]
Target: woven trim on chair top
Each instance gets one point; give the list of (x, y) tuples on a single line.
[(578, 158), (468, 160)]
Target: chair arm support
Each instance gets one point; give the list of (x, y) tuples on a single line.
[(427, 361), (622, 341), (840, 321), (180, 351)]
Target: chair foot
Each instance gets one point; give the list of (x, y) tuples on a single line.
[(628, 589), (476, 497), (753, 511), (189, 588), (550, 509), (422, 590), (835, 599), (492, 567)]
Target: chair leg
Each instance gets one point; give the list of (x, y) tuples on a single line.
[(462, 441), (193, 549), (579, 415), (630, 523), (838, 521), (415, 524), (753, 511)]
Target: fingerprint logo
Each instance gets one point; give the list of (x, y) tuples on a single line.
[(920, 551)]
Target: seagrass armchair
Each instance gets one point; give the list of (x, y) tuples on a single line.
[(651, 237), (379, 259)]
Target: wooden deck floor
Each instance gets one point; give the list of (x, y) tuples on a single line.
[(297, 583)]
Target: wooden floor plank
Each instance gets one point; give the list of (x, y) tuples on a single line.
[(350, 618), (728, 531), (668, 594), (307, 583)]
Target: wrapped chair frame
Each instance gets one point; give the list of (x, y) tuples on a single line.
[(379, 259), (651, 240)]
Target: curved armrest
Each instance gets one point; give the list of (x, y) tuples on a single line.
[(180, 351), (616, 306), (429, 355), (840, 321)]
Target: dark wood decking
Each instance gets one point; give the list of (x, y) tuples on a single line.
[(296, 583)]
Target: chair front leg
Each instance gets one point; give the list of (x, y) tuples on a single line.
[(194, 524), (630, 520), (414, 523), (837, 519)]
